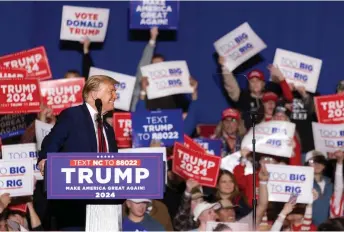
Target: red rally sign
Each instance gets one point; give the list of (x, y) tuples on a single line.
[(12, 73), (198, 166), (122, 128), (62, 94), (192, 145), (19, 96), (330, 108), (35, 61)]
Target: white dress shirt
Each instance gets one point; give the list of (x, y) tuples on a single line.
[(94, 113)]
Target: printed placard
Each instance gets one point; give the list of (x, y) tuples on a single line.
[(212, 146), (301, 70), (166, 126), (227, 226), (19, 96), (35, 61), (105, 176), (124, 90), (62, 94), (22, 152), (239, 45), (273, 138), (16, 178), (286, 180), (122, 128), (80, 22), (167, 78), (12, 72), (330, 108), (147, 14), (328, 138), (42, 129), (192, 145), (12, 125), (199, 166), (160, 150)]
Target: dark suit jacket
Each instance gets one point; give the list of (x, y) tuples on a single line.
[(74, 132)]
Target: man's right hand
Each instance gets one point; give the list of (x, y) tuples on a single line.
[(222, 60), (190, 184), (46, 115), (154, 32), (144, 83), (41, 166), (5, 199)]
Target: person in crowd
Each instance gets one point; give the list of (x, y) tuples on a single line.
[(169, 102), (295, 217), (228, 189), (269, 100), (87, 62), (228, 213), (183, 220), (302, 114), (322, 184), (333, 224), (246, 100), (230, 130), (77, 130), (337, 199), (3, 222), (340, 87), (138, 219), (158, 211), (282, 114), (205, 212)]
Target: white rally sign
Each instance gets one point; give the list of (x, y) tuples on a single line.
[(124, 89), (273, 138), (167, 78), (42, 129), (16, 177), (328, 137), (285, 180), (148, 150), (80, 22), (229, 162), (298, 69), (22, 152), (239, 45)]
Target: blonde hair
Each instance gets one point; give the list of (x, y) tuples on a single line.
[(219, 128), (93, 83)]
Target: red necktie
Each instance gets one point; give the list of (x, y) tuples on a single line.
[(101, 139)]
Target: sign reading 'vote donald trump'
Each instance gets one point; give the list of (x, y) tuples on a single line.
[(105, 176)]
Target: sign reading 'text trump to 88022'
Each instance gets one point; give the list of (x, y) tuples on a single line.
[(105, 176)]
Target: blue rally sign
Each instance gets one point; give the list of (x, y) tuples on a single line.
[(166, 126), (105, 176), (146, 14)]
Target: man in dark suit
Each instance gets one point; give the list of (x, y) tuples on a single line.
[(78, 129)]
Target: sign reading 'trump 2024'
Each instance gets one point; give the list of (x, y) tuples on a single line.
[(105, 176)]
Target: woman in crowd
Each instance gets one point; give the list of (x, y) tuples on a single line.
[(230, 130), (337, 199)]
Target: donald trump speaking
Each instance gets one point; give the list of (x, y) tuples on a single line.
[(82, 129)]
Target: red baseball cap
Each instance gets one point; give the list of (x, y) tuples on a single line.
[(230, 113), (269, 96), (256, 73)]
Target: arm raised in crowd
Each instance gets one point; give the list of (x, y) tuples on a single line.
[(277, 76), (146, 59), (87, 61), (5, 200), (36, 224), (337, 198), (230, 83), (263, 193)]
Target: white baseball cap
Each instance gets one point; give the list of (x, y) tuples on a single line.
[(311, 154), (140, 200), (201, 207)]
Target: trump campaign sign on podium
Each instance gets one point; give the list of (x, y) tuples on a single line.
[(80, 22), (62, 94), (146, 14), (35, 61), (105, 175), (19, 95)]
